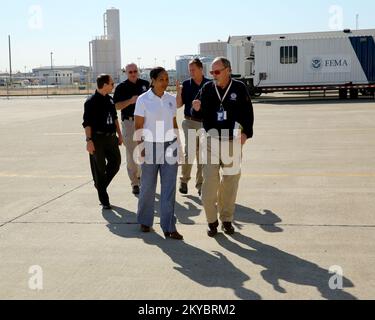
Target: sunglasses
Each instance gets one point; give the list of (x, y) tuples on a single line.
[(217, 72)]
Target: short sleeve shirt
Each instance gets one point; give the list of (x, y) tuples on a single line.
[(159, 114)]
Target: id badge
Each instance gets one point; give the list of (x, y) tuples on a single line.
[(220, 116)]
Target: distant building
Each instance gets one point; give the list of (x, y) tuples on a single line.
[(62, 75), (213, 49), (105, 50), (145, 75)]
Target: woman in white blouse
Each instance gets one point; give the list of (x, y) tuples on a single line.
[(156, 124)]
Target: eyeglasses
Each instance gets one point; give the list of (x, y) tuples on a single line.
[(133, 72), (216, 72)]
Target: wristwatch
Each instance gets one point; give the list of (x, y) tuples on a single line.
[(88, 139)]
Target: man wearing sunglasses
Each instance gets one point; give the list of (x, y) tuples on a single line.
[(125, 97), (228, 119)]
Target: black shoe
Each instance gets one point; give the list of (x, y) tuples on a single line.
[(184, 188), (212, 229), (107, 206), (145, 229), (174, 236), (228, 228), (136, 190)]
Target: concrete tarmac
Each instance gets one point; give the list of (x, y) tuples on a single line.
[(306, 204)]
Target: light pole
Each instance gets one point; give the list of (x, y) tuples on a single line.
[(51, 60), (139, 63), (357, 21), (10, 61)]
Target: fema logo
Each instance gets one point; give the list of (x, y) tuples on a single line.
[(316, 63), (233, 97)]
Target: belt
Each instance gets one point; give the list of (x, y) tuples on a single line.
[(105, 134), (193, 119), (129, 118)]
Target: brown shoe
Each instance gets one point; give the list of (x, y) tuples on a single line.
[(174, 236), (145, 229), (212, 229)]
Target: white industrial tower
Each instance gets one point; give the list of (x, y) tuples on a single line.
[(105, 51)]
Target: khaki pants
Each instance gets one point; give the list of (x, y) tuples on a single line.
[(219, 192), (192, 153), (134, 170)]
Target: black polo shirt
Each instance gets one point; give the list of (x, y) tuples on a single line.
[(127, 90), (237, 104), (190, 91), (100, 114)]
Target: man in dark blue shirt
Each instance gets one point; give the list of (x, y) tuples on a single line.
[(192, 124), (101, 125), (125, 98), (228, 119)]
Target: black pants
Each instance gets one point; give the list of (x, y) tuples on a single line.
[(105, 164)]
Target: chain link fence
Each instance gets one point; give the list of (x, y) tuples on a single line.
[(44, 86)]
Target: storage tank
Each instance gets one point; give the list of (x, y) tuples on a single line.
[(104, 57), (106, 49), (112, 17), (182, 67), (207, 64)]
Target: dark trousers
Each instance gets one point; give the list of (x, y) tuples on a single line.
[(105, 164)]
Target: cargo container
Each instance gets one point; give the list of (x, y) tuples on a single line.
[(322, 61)]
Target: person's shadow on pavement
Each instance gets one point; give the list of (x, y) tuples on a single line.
[(280, 265), (212, 270), (184, 214), (265, 219)]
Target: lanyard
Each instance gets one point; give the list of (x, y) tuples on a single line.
[(225, 95)]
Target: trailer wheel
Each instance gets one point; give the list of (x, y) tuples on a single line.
[(343, 94), (353, 93)]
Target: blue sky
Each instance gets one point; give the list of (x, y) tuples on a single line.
[(158, 29)]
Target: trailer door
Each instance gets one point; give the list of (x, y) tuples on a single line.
[(364, 48)]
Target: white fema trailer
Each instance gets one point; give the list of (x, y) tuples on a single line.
[(321, 61)]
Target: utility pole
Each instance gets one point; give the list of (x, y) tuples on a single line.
[(139, 63), (357, 21), (10, 61)]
